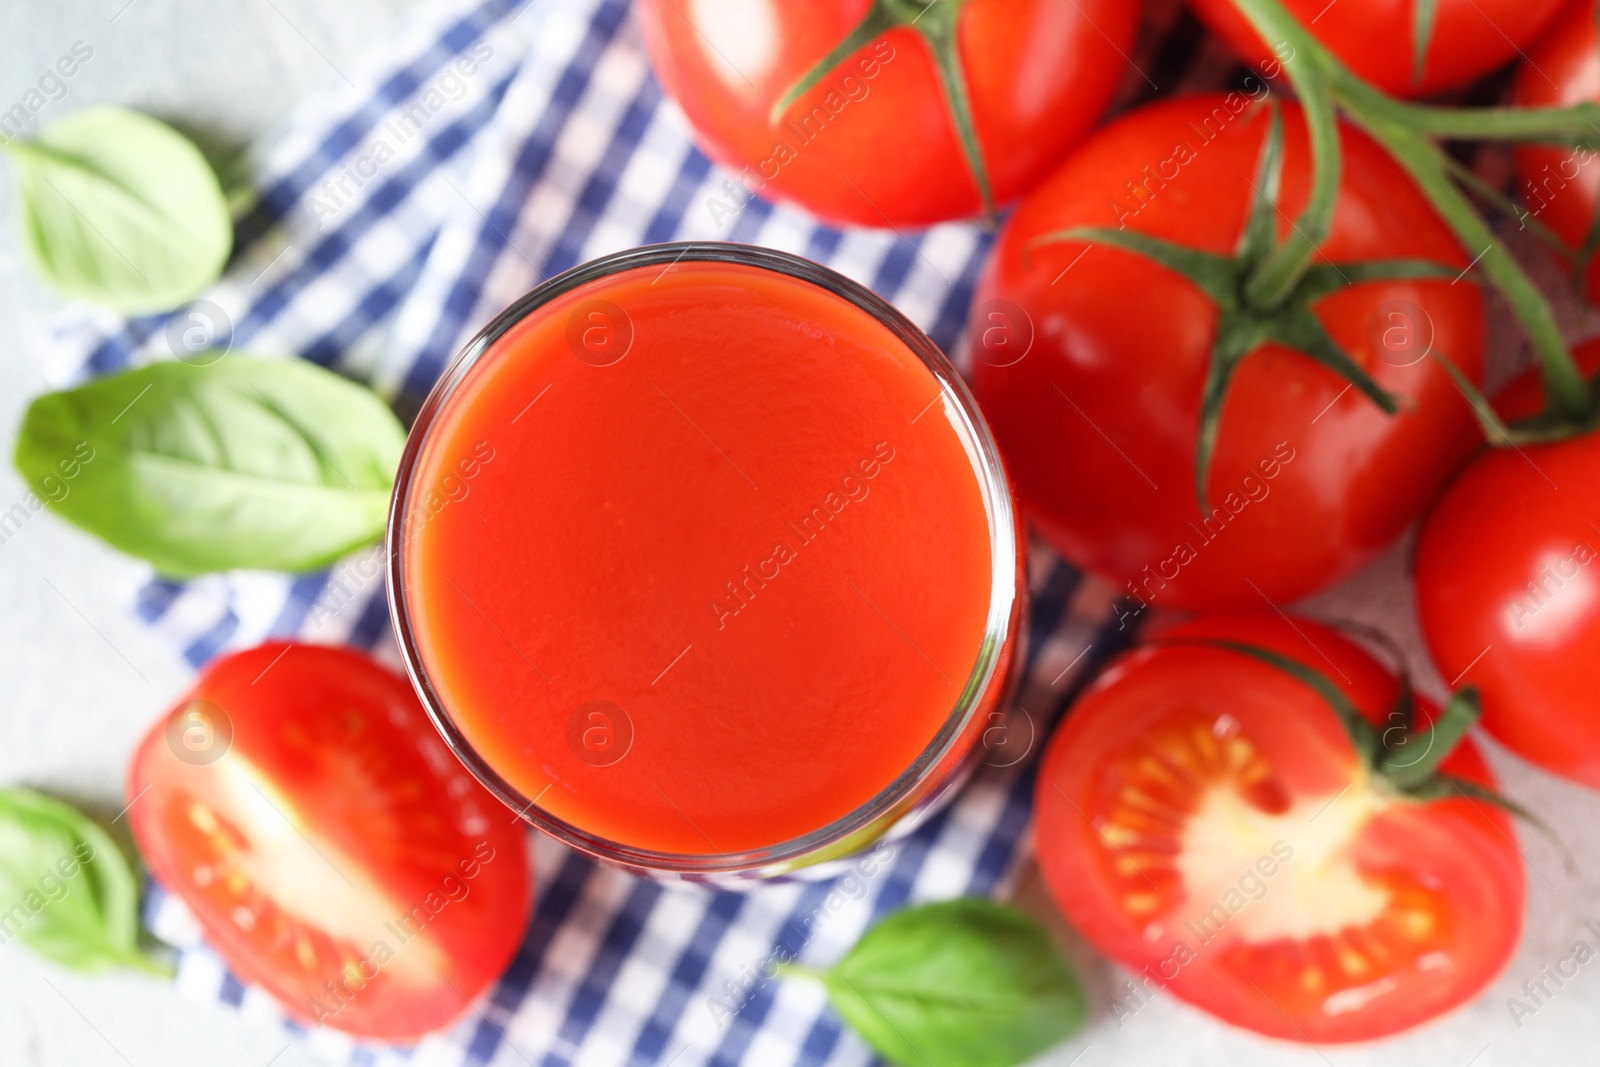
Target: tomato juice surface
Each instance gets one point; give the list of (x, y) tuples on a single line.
[(697, 556)]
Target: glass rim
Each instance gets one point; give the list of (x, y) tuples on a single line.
[(1005, 571)]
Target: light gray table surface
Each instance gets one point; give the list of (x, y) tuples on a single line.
[(82, 678)]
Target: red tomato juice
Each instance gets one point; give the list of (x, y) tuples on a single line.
[(696, 560)]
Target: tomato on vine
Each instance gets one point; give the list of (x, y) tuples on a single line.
[(889, 112), (1252, 814), (1168, 429), (1410, 48), (1561, 185), (1508, 585)]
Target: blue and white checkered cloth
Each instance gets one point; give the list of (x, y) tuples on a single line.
[(488, 148)]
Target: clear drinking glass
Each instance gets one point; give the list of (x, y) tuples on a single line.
[(939, 768)]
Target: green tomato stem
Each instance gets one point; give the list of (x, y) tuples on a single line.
[(1403, 129), (1468, 179), (939, 31), (879, 18), (1275, 278), (1277, 274), (1426, 163), (1575, 125), (1424, 14), (937, 21)]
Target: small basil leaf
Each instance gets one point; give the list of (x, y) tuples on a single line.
[(962, 983), (65, 889), (120, 209), (252, 463)]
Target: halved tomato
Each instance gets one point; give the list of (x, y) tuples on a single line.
[(1204, 816), (335, 852)]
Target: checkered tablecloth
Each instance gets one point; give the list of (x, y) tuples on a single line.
[(487, 148)]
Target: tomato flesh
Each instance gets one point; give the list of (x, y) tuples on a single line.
[(333, 850), (1202, 818), (873, 142)]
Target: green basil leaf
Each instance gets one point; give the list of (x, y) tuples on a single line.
[(962, 983), (120, 209), (254, 463), (65, 889)]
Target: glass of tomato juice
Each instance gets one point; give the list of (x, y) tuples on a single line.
[(703, 560)]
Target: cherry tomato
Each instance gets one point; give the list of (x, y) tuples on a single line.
[(332, 848), (874, 141), (1090, 364), (1508, 589), (1376, 39), (1203, 818), (1561, 185)]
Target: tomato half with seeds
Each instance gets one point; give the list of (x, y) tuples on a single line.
[(1561, 186), (1203, 818), (1377, 39), (334, 851), (1091, 363), (1508, 588), (878, 139)]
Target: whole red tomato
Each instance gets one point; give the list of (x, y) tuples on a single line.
[(1091, 361), (1508, 589), (875, 141), (1203, 818), (1377, 39), (332, 848), (1561, 185)]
